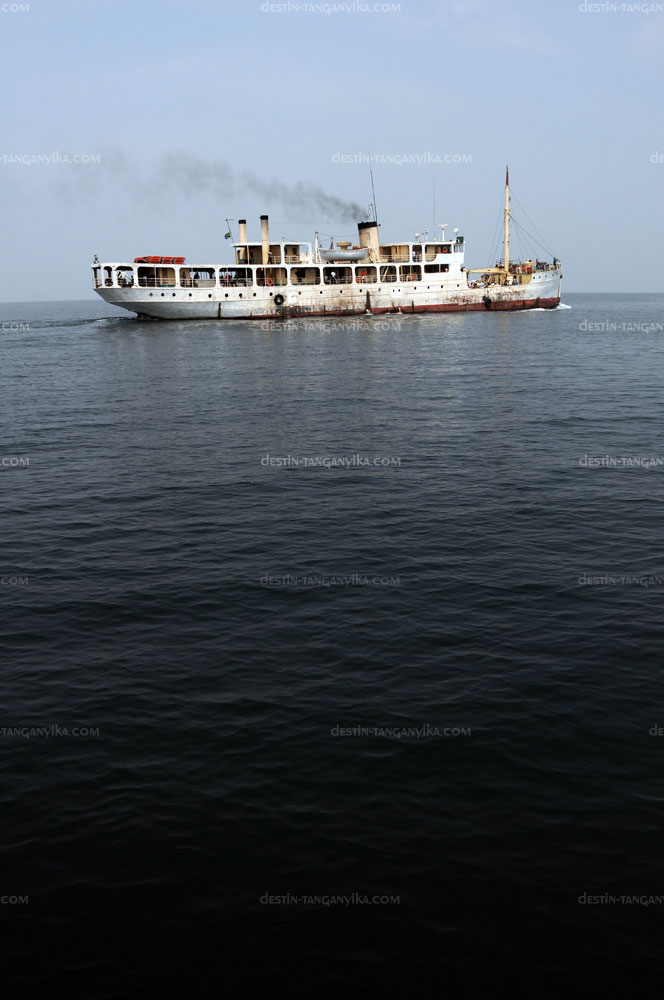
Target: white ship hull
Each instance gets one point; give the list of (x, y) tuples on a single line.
[(543, 291)]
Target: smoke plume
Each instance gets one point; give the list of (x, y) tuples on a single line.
[(180, 176)]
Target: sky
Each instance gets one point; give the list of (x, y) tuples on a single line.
[(138, 127)]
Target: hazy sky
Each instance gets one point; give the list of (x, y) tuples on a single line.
[(191, 112)]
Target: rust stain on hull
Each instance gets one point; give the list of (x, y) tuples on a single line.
[(494, 305)]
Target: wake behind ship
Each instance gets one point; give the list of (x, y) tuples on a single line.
[(286, 279)]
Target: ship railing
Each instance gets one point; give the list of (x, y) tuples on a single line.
[(394, 258), (197, 282), (155, 283), (338, 280), (108, 283), (233, 282)]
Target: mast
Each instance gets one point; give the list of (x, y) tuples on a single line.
[(507, 220), (373, 195)]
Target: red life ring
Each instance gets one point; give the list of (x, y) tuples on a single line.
[(413, 277), (269, 281)]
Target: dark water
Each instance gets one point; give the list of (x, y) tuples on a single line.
[(208, 620)]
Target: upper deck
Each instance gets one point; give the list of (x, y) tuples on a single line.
[(264, 264)]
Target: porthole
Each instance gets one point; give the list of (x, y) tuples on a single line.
[(162, 294), (240, 294), (226, 295), (210, 295), (173, 294), (150, 294), (189, 294)]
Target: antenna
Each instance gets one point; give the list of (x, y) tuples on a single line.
[(434, 208), (373, 191)]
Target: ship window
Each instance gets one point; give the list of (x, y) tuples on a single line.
[(197, 277), (125, 276), (156, 277), (410, 272), (436, 268), (305, 275), (365, 275), (146, 278), (395, 253), (337, 275), (268, 276), (235, 276), (291, 254), (165, 277), (388, 274)]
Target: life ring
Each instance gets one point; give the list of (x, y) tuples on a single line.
[(269, 281), (413, 277), (279, 300)]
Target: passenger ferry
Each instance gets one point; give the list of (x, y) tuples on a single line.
[(286, 279)]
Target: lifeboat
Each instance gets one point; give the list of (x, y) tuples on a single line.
[(159, 260), (348, 255)]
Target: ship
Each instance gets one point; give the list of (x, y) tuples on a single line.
[(287, 279)]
